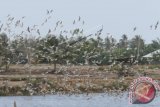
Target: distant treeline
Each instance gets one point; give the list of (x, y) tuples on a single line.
[(78, 50)]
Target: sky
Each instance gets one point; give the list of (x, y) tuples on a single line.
[(117, 17)]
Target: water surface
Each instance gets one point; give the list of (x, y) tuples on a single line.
[(83, 100)]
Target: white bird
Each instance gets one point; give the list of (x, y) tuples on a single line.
[(42, 24), (38, 31), (51, 11), (47, 12), (151, 27), (49, 31), (46, 21), (28, 29), (134, 29), (8, 15), (23, 17), (74, 22), (1, 27), (83, 22), (79, 18)]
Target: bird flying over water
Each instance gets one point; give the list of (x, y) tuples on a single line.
[(1, 27), (8, 15), (28, 29), (151, 27), (51, 11), (38, 31), (46, 21), (156, 25), (74, 22), (79, 18), (23, 17), (134, 29), (83, 22), (42, 24), (49, 31), (47, 12)]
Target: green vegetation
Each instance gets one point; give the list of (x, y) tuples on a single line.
[(54, 49)]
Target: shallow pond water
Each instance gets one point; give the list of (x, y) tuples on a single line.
[(83, 100)]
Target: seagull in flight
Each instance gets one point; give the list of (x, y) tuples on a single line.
[(74, 22), (38, 31), (156, 25), (151, 27), (49, 31), (23, 17), (51, 11), (28, 29), (79, 18), (1, 27), (134, 29), (83, 22), (47, 12)]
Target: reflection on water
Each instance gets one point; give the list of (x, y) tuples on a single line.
[(91, 100)]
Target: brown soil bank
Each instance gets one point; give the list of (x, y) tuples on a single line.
[(37, 80)]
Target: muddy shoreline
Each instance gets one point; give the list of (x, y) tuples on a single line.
[(71, 80)]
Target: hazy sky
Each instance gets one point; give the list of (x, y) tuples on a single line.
[(117, 16)]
